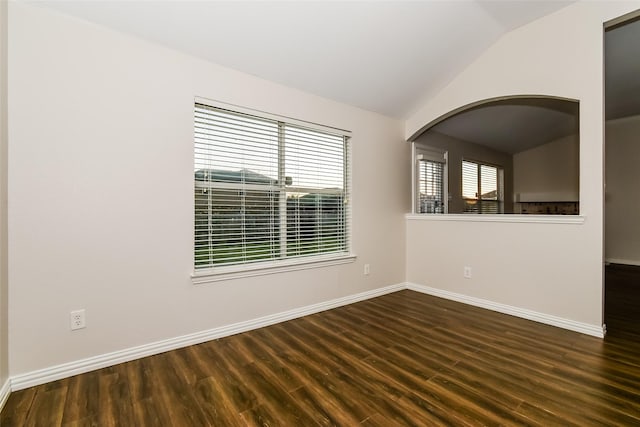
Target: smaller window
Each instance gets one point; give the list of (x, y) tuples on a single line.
[(431, 181), (431, 187), (482, 188)]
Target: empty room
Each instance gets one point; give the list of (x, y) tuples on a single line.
[(265, 213)]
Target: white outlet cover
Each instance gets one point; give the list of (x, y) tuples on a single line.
[(77, 319)]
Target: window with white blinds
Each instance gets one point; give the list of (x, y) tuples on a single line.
[(431, 186), (481, 188), (266, 190)]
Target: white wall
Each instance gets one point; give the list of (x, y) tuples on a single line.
[(100, 184), (553, 269), (4, 309), (551, 169), (622, 228)]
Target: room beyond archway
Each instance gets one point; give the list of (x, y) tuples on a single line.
[(507, 155)]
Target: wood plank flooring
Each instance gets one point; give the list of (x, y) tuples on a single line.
[(622, 296), (403, 359)]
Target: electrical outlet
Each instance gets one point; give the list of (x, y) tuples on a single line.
[(367, 269), (467, 272), (78, 320)]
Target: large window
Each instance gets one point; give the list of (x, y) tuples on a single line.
[(481, 188), (267, 190)]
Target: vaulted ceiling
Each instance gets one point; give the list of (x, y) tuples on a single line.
[(514, 125), (383, 56)]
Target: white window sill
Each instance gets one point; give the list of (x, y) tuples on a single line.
[(530, 219), (259, 269)]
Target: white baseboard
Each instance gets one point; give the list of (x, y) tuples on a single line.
[(572, 325), (30, 379), (42, 376), (622, 261), (5, 391)]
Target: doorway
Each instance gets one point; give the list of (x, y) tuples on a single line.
[(622, 176)]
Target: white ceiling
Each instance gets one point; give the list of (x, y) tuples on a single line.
[(386, 57)]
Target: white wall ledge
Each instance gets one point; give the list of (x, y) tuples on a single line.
[(528, 219)]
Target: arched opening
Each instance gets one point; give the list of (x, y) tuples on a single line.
[(516, 154)]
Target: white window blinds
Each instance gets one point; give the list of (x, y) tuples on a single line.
[(431, 186), (481, 188), (266, 190)]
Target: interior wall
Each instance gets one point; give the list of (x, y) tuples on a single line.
[(622, 228), (101, 182), (464, 150), (4, 309), (552, 269), (551, 170)]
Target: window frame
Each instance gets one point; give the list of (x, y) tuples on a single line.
[(434, 156), (499, 201), (284, 262)]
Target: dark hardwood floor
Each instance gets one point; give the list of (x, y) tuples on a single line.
[(398, 360), (622, 297)]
